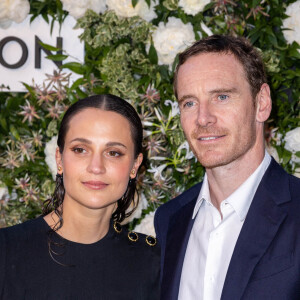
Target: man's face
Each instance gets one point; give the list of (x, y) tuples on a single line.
[(218, 114)]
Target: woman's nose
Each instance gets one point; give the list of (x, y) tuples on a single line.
[(96, 164)]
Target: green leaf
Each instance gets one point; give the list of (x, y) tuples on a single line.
[(134, 2), (57, 57), (81, 94), (14, 132), (77, 83), (153, 55), (29, 88), (49, 47), (74, 67), (3, 123)]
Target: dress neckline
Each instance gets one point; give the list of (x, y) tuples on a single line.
[(111, 232)]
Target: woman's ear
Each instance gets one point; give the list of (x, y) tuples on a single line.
[(136, 165), (58, 159), (263, 103)]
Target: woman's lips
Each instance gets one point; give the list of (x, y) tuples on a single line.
[(95, 185)]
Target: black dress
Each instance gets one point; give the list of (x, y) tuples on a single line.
[(116, 267)]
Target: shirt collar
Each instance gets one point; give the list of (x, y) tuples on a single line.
[(241, 198), (204, 195)]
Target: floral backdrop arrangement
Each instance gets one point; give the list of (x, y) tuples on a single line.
[(131, 49)]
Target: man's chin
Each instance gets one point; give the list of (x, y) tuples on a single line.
[(212, 161)]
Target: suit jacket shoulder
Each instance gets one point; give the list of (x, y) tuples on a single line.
[(165, 212)]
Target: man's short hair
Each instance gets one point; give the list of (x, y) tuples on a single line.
[(240, 47)]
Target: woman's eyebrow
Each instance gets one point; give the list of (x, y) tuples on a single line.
[(81, 140), (110, 144), (86, 141)]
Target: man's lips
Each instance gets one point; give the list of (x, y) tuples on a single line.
[(211, 138), (95, 185)]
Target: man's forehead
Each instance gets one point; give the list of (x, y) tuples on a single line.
[(214, 65)]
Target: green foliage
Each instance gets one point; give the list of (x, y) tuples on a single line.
[(120, 58)]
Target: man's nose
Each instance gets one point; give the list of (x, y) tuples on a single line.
[(206, 115)]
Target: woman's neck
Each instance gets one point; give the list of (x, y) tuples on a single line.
[(84, 225)]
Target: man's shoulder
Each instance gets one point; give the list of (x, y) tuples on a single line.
[(172, 206)]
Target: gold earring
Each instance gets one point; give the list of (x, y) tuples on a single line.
[(132, 172), (59, 168)]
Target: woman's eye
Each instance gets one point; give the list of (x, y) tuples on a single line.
[(222, 97), (114, 153), (78, 150)]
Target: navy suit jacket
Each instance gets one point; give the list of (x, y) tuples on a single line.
[(266, 260)]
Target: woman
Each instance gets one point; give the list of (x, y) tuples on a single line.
[(78, 249)]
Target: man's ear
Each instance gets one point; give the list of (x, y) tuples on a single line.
[(263, 103), (58, 159)]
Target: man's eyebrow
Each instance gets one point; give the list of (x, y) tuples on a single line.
[(181, 99), (223, 90)]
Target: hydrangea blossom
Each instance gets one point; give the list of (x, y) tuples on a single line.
[(124, 8), (192, 7), (292, 23), (147, 225), (77, 8), (50, 150), (171, 38), (13, 11), (292, 143), (292, 140)]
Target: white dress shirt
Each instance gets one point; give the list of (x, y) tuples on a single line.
[(212, 239)]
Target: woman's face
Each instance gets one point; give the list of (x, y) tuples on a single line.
[(97, 159)]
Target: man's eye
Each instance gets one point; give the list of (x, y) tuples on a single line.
[(188, 104), (222, 97), (78, 150)]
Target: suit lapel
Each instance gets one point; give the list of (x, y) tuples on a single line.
[(261, 225), (178, 236)]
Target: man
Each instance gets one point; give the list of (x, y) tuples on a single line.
[(236, 235)]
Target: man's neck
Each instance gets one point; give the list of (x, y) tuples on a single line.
[(224, 180)]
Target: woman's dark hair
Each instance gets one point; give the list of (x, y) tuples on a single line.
[(106, 103), (240, 47)]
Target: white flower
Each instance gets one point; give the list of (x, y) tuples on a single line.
[(143, 204), (50, 150), (297, 172), (192, 7), (172, 38), (292, 140), (292, 23), (147, 225), (124, 8), (206, 29), (157, 171), (185, 145), (77, 8), (273, 152), (175, 108), (295, 159), (3, 192), (13, 11)]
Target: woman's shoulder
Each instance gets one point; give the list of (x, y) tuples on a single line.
[(23, 231), (138, 242)]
